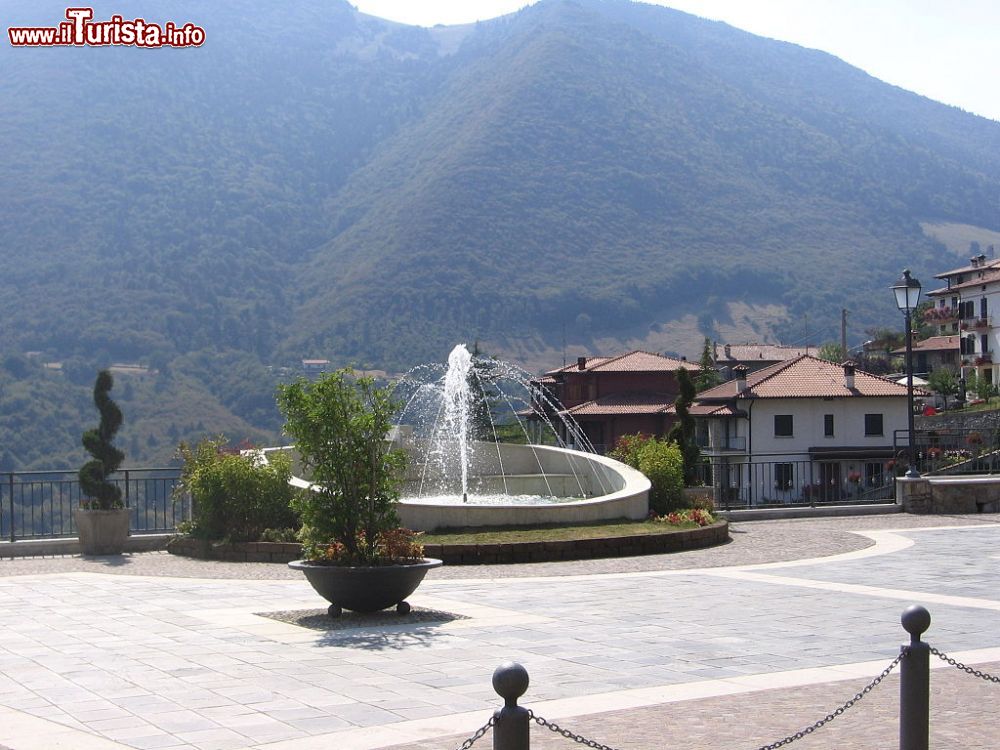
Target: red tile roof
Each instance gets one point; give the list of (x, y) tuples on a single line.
[(934, 344), (708, 410), (806, 377), (989, 276), (990, 263), (623, 403), (635, 361)]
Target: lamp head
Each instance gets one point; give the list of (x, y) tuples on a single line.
[(907, 291)]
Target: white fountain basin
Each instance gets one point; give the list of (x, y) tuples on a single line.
[(609, 490)]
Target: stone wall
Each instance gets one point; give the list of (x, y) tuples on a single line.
[(961, 494), (977, 420)]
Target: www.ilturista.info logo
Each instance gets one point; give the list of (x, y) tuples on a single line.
[(80, 30)]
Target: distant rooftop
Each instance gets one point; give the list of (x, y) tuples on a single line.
[(634, 361), (805, 377)]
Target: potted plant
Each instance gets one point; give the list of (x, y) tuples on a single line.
[(102, 520), (355, 554)]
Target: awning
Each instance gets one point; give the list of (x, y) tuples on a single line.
[(862, 452)]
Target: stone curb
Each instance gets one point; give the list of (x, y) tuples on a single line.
[(479, 554), (71, 546)]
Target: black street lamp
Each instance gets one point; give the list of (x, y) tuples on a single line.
[(907, 291)]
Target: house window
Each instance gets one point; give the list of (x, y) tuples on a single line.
[(828, 425), (783, 474), (782, 425), (873, 425)]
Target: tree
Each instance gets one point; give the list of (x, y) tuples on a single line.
[(708, 376), (832, 352), (107, 458), (683, 432), (943, 382)]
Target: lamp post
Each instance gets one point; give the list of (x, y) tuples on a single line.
[(907, 291)]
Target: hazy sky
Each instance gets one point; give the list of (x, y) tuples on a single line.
[(948, 51)]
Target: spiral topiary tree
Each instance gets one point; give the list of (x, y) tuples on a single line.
[(101, 494)]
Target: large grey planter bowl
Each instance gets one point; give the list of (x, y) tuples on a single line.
[(365, 589), (102, 532)]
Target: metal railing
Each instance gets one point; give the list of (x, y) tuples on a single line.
[(39, 504), (951, 450), (511, 724), (748, 484)]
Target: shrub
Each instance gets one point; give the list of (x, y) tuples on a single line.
[(235, 496), (94, 484), (662, 463)]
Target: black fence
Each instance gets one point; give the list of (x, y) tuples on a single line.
[(39, 504), (951, 450), (749, 484)]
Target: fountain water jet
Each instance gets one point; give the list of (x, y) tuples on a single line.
[(447, 425)]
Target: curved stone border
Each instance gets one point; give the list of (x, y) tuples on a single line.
[(481, 554)]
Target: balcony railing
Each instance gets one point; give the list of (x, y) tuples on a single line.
[(724, 444), (39, 504), (941, 315)]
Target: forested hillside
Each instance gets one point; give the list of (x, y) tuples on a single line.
[(314, 182)]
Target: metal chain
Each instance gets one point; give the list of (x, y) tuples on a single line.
[(480, 733), (841, 709), (974, 672), (565, 732)]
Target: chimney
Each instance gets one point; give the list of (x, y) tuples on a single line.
[(982, 259), (740, 375), (581, 363), (849, 375)]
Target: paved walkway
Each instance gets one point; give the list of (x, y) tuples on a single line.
[(731, 647)]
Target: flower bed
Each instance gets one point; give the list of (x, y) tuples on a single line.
[(478, 554)]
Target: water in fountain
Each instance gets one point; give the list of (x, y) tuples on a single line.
[(448, 426)]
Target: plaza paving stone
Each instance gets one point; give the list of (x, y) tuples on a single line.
[(149, 650)]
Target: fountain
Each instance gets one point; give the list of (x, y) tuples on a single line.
[(462, 475)]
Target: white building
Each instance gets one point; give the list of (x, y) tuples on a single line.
[(805, 430), (964, 307)]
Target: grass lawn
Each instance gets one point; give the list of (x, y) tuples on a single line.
[(506, 535)]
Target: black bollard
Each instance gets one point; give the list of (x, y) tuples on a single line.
[(511, 731), (915, 682)]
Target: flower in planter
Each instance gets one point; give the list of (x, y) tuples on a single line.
[(339, 424), (854, 477)]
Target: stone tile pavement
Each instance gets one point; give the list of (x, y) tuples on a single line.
[(150, 651)]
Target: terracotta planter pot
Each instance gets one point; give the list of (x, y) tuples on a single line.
[(365, 589), (102, 532)]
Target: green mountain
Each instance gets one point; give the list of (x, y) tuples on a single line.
[(315, 182)]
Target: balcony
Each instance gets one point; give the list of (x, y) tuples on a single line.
[(984, 359), (721, 445), (941, 315), (980, 324)]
